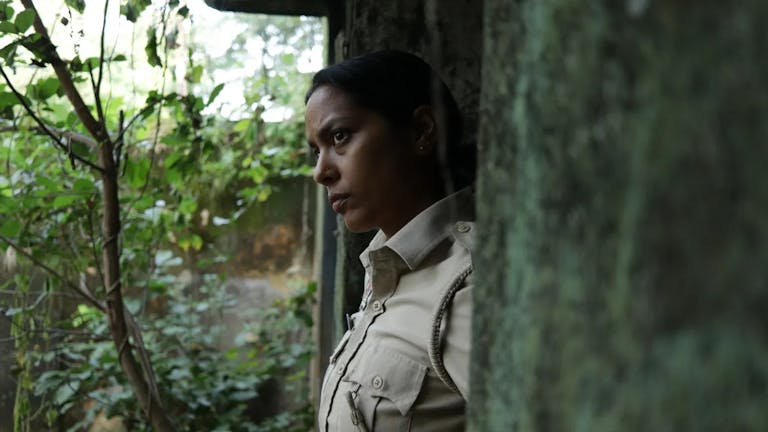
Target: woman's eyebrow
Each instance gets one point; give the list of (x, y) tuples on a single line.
[(331, 122)]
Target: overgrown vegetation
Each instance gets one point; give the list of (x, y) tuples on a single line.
[(106, 193), (210, 387)]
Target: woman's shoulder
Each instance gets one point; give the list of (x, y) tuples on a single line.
[(465, 232)]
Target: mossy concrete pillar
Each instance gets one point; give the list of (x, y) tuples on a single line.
[(622, 274)]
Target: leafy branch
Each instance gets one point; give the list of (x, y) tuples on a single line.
[(125, 333), (45, 128), (81, 290), (186, 170)]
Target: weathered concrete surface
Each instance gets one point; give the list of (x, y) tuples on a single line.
[(623, 209), (446, 33)]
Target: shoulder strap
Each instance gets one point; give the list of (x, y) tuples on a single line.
[(435, 348)]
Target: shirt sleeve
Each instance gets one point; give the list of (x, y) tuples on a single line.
[(458, 339)]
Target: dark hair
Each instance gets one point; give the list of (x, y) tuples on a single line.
[(395, 83)]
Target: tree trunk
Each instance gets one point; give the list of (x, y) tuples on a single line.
[(623, 216), (121, 325), (141, 378)]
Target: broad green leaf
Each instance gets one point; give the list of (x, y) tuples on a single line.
[(8, 52), (64, 200), (91, 63), (133, 8), (143, 203), (66, 392), (8, 27), (78, 65), (80, 149), (174, 176), (172, 158), (264, 193), (24, 20), (78, 5), (214, 93), (8, 99), (48, 380), (195, 74), (47, 183), (196, 102), (173, 140), (136, 172), (187, 206), (129, 11), (84, 186), (6, 12), (10, 228), (47, 88), (8, 206), (258, 173), (118, 58), (32, 91), (242, 125), (288, 59), (151, 48)]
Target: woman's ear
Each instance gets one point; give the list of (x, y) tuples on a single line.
[(424, 130)]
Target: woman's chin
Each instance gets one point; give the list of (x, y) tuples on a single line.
[(356, 225)]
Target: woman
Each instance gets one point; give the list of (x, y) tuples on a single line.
[(387, 135)]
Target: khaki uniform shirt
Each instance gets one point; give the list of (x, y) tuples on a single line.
[(383, 374)]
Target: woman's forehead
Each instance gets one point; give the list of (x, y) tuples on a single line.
[(329, 102)]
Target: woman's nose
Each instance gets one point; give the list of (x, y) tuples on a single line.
[(325, 171)]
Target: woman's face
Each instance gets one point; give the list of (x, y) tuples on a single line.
[(370, 169)]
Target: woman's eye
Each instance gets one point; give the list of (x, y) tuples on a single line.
[(340, 136)]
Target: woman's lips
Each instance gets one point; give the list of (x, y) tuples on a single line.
[(338, 202), (338, 205)]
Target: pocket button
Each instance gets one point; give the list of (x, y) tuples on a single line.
[(377, 382)]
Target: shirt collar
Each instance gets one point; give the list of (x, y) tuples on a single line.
[(414, 241)]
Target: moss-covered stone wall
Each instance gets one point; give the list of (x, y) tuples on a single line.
[(623, 216)]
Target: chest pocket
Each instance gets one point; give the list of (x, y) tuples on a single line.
[(386, 385)]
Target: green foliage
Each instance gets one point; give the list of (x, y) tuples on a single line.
[(24, 20), (151, 49), (206, 388), (78, 5), (131, 9), (178, 158)]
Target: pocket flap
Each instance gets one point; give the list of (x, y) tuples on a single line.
[(390, 375)]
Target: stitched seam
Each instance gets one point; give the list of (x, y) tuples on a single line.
[(436, 341)]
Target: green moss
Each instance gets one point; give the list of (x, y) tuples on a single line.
[(623, 208)]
